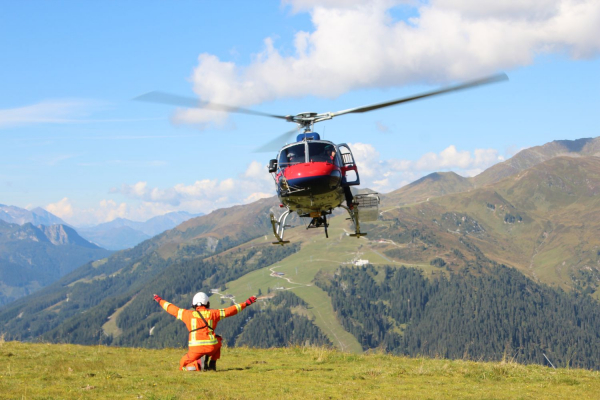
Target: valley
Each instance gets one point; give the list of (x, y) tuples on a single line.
[(540, 221)]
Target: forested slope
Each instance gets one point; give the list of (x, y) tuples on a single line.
[(117, 278), (483, 313), (543, 221)]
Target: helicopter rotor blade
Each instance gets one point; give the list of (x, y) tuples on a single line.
[(190, 102), (466, 85), (277, 143)]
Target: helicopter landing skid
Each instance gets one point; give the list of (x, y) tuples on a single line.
[(354, 218), (279, 227)]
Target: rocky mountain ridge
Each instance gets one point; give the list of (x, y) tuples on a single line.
[(35, 216), (34, 256), (442, 183)]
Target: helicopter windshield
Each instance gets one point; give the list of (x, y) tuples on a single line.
[(322, 152), (292, 155)]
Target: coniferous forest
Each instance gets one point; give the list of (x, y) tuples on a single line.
[(272, 324), (483, 314), (143, 323), (177, 283)]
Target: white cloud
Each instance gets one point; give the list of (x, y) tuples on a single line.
[(207, 194), (391, 174), (54, 112), (307, 5), (107, 210), (358, 44), (257, 196), (447, 158), (484, 158), (62, 208), (507, 9)]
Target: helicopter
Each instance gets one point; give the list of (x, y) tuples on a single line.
[(312, 176)]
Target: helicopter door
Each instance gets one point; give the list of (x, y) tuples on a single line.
[(349, 170)]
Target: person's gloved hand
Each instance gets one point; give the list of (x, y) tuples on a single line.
[(157, 298), (251, 300)]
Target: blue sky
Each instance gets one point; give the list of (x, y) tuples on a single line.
[(74, 142)]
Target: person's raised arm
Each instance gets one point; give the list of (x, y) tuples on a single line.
[(236, 308), (168, 307)]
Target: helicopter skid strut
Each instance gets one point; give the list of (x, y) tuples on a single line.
[(279, 227), (354, 218)]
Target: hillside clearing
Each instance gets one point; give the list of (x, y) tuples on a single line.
[(94, 372)]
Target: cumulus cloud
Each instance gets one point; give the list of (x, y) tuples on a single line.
[(106, 210), (62, 208), (207, 194), (359, 44), (109, 210), (391, 174)]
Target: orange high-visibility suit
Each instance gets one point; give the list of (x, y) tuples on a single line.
[(202, 339)]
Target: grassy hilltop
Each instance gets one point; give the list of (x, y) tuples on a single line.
[(53, 371)]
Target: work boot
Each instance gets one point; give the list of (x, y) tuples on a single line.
[(212, 365), (203, 363)]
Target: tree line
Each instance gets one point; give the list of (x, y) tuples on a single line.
[(480, 313)]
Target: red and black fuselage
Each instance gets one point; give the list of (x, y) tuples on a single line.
[(311, 175)]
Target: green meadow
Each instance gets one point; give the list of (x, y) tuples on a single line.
[(51, 371)]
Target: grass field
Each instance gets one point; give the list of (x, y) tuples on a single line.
[(48, 371)]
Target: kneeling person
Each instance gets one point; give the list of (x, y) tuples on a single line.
[(201, 321)]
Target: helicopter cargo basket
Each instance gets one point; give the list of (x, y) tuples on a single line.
[(368, 206)]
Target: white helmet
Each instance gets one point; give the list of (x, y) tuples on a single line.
[(200, 299)]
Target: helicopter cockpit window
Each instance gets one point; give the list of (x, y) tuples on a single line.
[(291, 156), (320, 152)]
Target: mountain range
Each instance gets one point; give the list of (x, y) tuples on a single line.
[(524, 231), (442, 183), (117, 234), (122, 233), (35, 216), (34, 256), (37, 247), (537, 211)]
